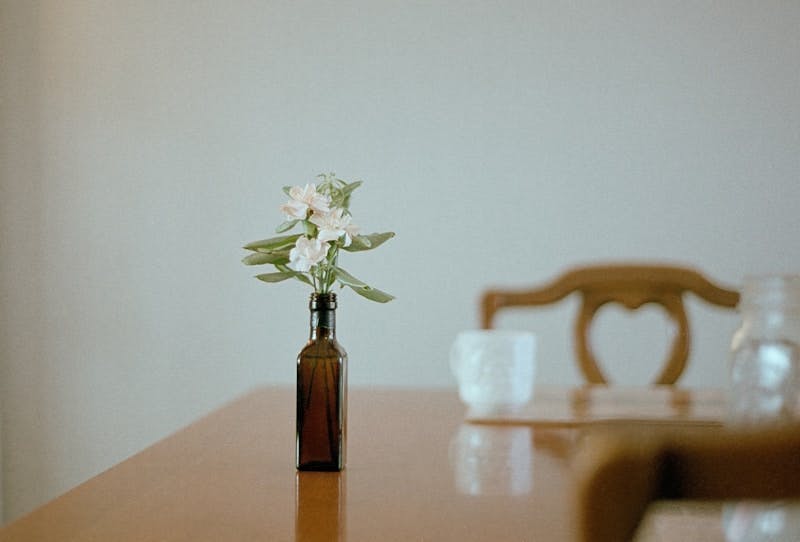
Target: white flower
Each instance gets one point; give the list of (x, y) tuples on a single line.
[(334, 225), (303, 199), (307, 252)]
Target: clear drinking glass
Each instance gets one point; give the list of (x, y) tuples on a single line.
[(495, 368)]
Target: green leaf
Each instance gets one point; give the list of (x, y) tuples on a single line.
[(347, 279), (346, 192), (273, 243), (260, 258), (309, 228), (296, 274), (373, 294), (286, 226), (361, 288), (348, 188), (275, 277), (286, 190), (368, 242), (280, 276)]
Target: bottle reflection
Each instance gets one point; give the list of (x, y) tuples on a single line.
[(319, 506), (492, 460)]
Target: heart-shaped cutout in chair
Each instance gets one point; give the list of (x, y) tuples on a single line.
[(631, 286)]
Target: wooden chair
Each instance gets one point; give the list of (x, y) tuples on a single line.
[(619, 475), (629, 285)]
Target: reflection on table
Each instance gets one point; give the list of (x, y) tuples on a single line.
[(491, 461), (416, 470)]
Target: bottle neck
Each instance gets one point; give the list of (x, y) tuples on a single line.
[(322, 308)]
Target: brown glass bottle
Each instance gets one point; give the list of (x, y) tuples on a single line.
[(322, 391)]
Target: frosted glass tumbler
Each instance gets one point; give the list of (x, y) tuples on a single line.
[(495, 368)]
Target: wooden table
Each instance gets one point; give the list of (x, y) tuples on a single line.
[(415, 471)]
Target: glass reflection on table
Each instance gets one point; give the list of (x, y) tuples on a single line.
[(760, 522), (492, 460)]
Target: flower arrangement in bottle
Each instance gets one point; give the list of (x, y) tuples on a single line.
[(322, 211)]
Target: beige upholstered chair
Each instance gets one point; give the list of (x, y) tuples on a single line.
[(629, 285), (619, 474)]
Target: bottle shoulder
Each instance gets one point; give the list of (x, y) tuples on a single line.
[(323, 348)]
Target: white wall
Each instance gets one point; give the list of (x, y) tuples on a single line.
[(144, 142)]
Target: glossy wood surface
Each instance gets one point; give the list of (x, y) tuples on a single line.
[(416, 471)]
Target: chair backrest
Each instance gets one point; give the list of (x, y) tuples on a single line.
[(629, 285), (619, 475)]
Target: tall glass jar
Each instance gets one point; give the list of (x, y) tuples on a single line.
[(765, 352), (322, 391), (765, 376)]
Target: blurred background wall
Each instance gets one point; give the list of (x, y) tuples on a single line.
[(143, 143)]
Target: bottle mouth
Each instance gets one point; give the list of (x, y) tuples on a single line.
[(772, 290), (325, 301)]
